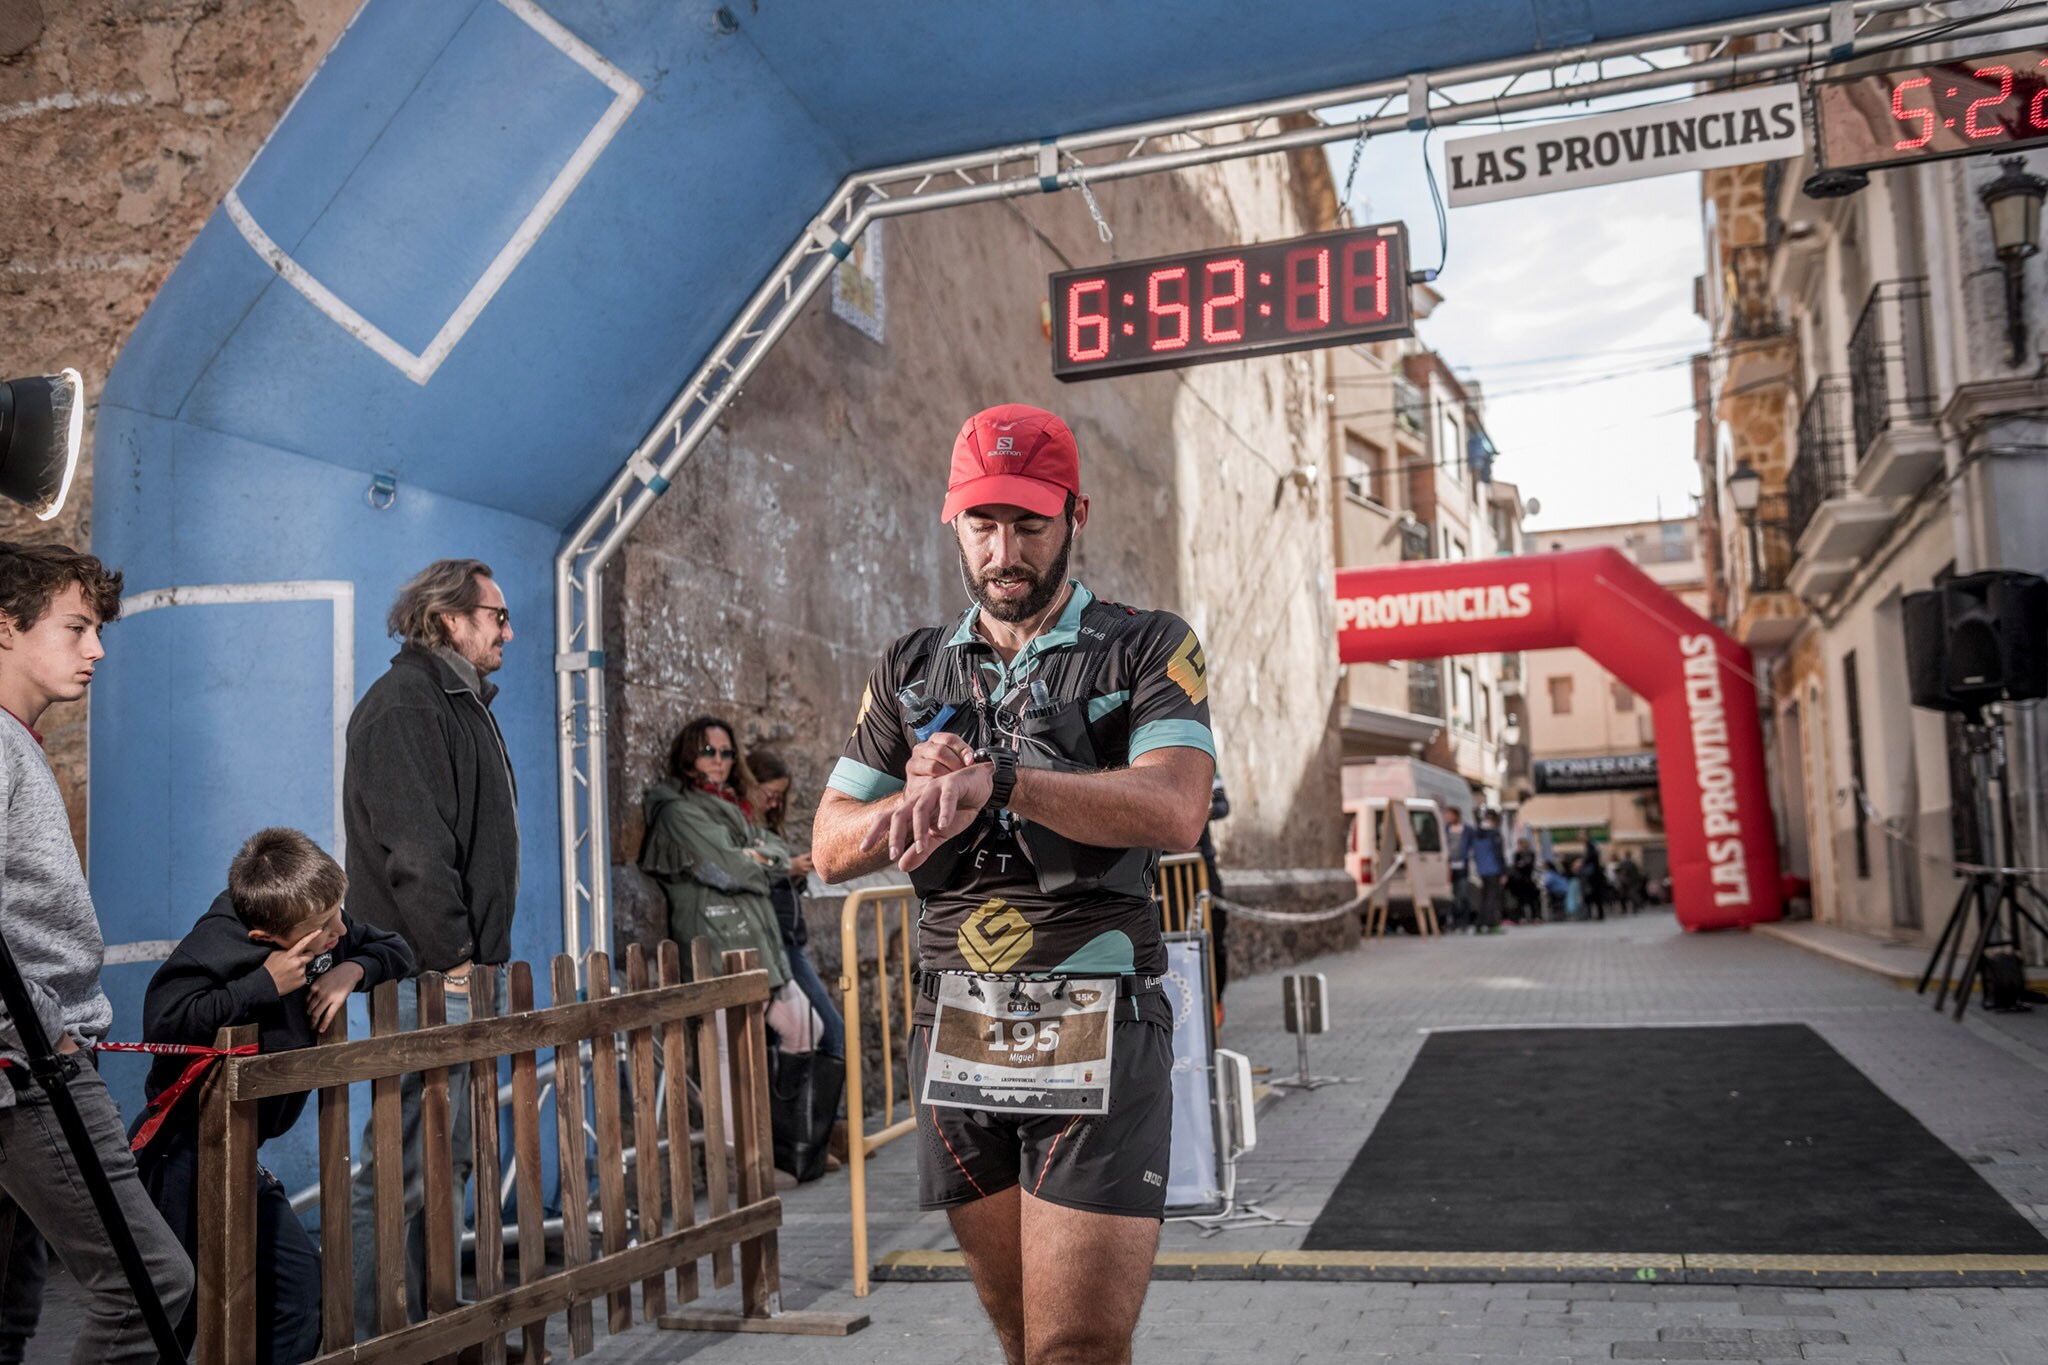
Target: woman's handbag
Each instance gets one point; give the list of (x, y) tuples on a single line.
[(804, 1089)]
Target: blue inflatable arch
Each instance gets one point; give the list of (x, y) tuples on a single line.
[(465, 278)]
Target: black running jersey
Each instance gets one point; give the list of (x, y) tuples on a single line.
[(1106, 684)]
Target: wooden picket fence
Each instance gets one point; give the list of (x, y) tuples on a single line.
[(660, 1015)]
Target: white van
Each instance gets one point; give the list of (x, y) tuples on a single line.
[(1415, 794), (1423, 869)]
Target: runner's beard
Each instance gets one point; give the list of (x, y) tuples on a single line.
[(1027, 607)]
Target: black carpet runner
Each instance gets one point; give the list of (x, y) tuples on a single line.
[(1700, 1140)]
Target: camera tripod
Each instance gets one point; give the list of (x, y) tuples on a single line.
[(1997, 895)]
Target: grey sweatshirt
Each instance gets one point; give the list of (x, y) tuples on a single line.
[(45, 909)]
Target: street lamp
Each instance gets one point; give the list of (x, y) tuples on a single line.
[(1746, 491), (42, 424), (2013, 202)]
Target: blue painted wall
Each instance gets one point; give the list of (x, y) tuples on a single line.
[(242, 425)]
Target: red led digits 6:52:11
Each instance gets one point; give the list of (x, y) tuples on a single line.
[(1997, 102), (1253, 300)]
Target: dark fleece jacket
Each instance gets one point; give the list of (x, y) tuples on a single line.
[(216, 980), (431, 813)]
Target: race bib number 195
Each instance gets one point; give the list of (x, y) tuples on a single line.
[(1036, 1046)]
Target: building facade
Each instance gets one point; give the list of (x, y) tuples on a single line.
[(1867, 371)]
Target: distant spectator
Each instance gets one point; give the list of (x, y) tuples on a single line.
[(1596, 886), (1628, 883), (702, 846), (1556, 891), (785, 889), (1461, 864), (1487, 860), (1523, 894), (1574, 889)]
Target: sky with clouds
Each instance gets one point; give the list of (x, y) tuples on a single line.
[(1574, 310)]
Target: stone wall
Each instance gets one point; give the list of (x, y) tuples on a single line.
[(805, 535), (122, 123)]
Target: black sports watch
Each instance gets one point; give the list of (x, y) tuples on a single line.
[(1005, 780)]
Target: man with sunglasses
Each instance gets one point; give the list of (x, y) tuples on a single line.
[(1022, 764), (431, 811)]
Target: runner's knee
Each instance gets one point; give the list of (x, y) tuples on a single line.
[(1080, 1343)]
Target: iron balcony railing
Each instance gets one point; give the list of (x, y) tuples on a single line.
[(1890, 358), (1820, 465), (1767, 558), (1426, 687), (1746, 295), (1410, 409), (1418, 540)]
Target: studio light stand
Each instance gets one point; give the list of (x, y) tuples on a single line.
[(1998, 895)]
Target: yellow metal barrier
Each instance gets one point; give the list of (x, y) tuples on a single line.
[(897, 903), (1183, 882)]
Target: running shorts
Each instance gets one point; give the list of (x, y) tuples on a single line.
[(1106, 1163)]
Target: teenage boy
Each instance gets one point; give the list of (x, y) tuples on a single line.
[(276, 951), (53, 602)]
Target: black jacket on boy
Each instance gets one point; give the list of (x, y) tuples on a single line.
[(215, 980)]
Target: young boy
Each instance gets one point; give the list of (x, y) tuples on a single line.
[(53, 602), (274, 950)]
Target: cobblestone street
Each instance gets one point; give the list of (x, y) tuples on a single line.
[(1982, 1087)]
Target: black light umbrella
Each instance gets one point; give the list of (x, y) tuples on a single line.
[(42, 424)]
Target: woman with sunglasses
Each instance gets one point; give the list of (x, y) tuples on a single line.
[(704, 850)]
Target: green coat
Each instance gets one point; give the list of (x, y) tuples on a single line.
[(696, 849)]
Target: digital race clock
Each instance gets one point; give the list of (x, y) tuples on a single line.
[(1992, 103), (1245, 301)]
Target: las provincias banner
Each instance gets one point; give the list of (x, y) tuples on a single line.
[(1733, 128)]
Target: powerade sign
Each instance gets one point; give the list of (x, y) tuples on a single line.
[(1599, 773), (1734, 128)]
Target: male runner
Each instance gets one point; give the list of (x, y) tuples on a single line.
[(1023, 764)]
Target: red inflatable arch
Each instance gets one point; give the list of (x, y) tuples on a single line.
[(1710, 758)]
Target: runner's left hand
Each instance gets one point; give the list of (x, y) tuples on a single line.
[(931, 812), (328, 995)]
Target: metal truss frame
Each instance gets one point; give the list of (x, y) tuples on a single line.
[(1806, 36)]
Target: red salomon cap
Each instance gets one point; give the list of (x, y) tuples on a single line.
[(1016, 456)]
